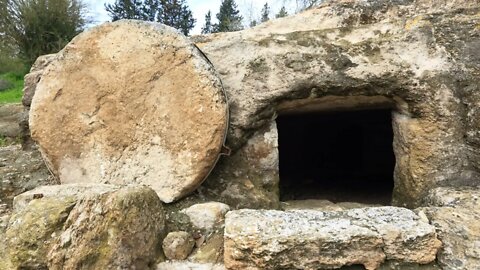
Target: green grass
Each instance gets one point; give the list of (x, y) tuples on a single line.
[(14, 93)]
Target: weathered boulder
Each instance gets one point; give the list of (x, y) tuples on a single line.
[(178, 245), (118, 230), (30, 85), (84, 226), (33, 78), (455, 212), (31, 232), (150, 112), (262, 239)]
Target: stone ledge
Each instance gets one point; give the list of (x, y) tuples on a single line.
[(265, 239)]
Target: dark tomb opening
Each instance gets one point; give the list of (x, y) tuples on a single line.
[(344, 156)]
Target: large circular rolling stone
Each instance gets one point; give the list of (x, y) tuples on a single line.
[(131, 102)]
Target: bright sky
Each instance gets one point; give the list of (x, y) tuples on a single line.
[(248, 8)]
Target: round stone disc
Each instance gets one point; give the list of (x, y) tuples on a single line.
[(131, 102)]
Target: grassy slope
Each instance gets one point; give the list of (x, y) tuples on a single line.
[(14, 94)]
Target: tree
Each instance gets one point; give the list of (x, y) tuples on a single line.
[(175, 13), (229, 18), (282, 13), (126, 9), (265, 13), (208, 27), (37, 27), (150, 8), (306, 4)]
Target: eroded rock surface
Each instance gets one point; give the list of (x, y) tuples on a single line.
[(178, 245), (76, 191), (207, 216), (30, 85), (262, 239), (84, 227), (114, 110), (32, 230), (189, 266), (395, 53), (117, 230), (455, 213), (21, 171)]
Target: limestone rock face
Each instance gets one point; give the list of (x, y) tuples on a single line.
[(248, 178), (459, 197), (262, 239), (178, 245), (117, 230), (455, 212), (149, 109), (401, 51)]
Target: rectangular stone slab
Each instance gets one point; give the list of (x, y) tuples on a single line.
[(307, 239)]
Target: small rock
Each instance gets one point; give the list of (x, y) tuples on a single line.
[(206, 216), (210, 251), (178, 245)]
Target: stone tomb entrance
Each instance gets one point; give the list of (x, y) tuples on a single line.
[(339, 149)]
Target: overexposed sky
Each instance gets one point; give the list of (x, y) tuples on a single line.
[(249, 9)]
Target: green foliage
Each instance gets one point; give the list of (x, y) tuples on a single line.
[(229, 18), (282, 13), (174, 13), (265, 13), (15, 92), (10, 62), (3, 141), (38, 27), (208, 27), (131, 9)]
